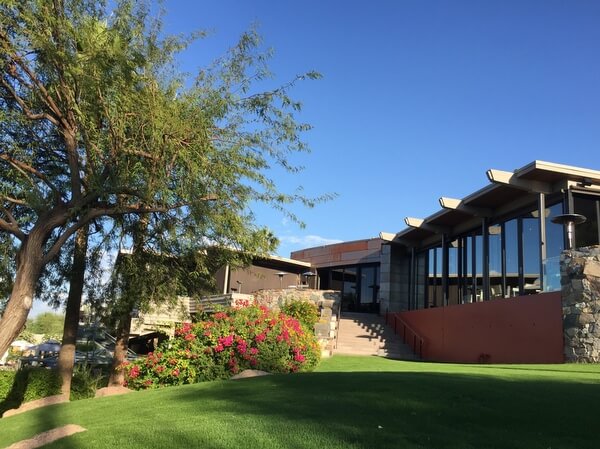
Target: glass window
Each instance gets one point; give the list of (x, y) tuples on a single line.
[(531, 253), (587, 234), (554, 246), (453, 296), (511, 238), (349, 289), (368, 285), (420, 279), (479, 267), (495, 258), (431, 278), (466, 283)]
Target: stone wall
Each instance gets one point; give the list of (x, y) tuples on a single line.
[(580, 283), (328, 302)]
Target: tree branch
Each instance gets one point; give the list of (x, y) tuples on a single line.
[(40, 88), (29, 169), (10, 199), (12, 229), (30, 115)]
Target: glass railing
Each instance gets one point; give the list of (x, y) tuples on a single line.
[(551, 274)]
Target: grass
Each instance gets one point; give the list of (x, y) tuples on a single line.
[(350, 402)]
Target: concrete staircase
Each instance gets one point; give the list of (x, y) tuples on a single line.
[(367, 334)]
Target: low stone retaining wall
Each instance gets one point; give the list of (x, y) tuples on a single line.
[(580, 281), (328, 302)]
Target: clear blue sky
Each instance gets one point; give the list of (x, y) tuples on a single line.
[(418, 98)]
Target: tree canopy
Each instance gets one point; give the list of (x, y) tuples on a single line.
[(97, 123)]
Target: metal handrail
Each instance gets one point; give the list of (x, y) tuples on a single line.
[(417, 343)]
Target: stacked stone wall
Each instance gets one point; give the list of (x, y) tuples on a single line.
[(327, 301), (580, 281)]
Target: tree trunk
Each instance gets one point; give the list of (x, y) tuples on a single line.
[(124, 320), (122, 336), (29, 266), (66, 357)]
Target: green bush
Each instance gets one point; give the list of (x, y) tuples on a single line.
[(305, 312), (6, 380), (228, 342), (28, 384), (85, 382)]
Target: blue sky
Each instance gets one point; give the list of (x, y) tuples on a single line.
[(418, 98)]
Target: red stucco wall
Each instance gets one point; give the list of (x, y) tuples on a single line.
[(525, 329)]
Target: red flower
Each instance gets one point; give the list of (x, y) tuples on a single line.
[(226, 341), (175, 372), (134, 371), (260, 337)]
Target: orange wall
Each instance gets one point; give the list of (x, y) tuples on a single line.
[(525, 329)]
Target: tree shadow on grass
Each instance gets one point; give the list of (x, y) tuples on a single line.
[(368, 410), (32, 384), (341, 410)]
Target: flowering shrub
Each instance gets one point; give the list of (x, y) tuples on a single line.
[(232, 340), (304, 311)]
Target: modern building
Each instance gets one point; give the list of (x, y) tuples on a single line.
[(480, 279), (498, 242)]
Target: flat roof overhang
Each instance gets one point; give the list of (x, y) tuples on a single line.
[(505, 193), (282, 264)]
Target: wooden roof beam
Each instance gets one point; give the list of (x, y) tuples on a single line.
[(420, 223), (511, 179), (454, 204)]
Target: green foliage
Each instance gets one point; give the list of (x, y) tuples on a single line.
[(100, 127), (304, 311), (228, 342), (85, 382), (47, 323), (27, 384), (6, 380)]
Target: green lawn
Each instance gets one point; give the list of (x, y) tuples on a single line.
[(350, 402)]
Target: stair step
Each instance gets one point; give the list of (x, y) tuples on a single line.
[(366, 334)]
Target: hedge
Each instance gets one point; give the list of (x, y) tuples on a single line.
[(27, 384)]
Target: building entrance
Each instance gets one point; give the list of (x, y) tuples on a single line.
[(358, 284)]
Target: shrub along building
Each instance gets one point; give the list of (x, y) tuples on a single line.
[(480, 279)]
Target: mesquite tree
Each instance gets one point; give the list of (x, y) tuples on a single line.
[(96, 124)]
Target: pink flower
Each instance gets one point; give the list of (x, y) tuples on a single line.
[(175, 372), (260, 337), (253, 351), (189, 337), (134, 371), (219, 348), (226, 341)]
